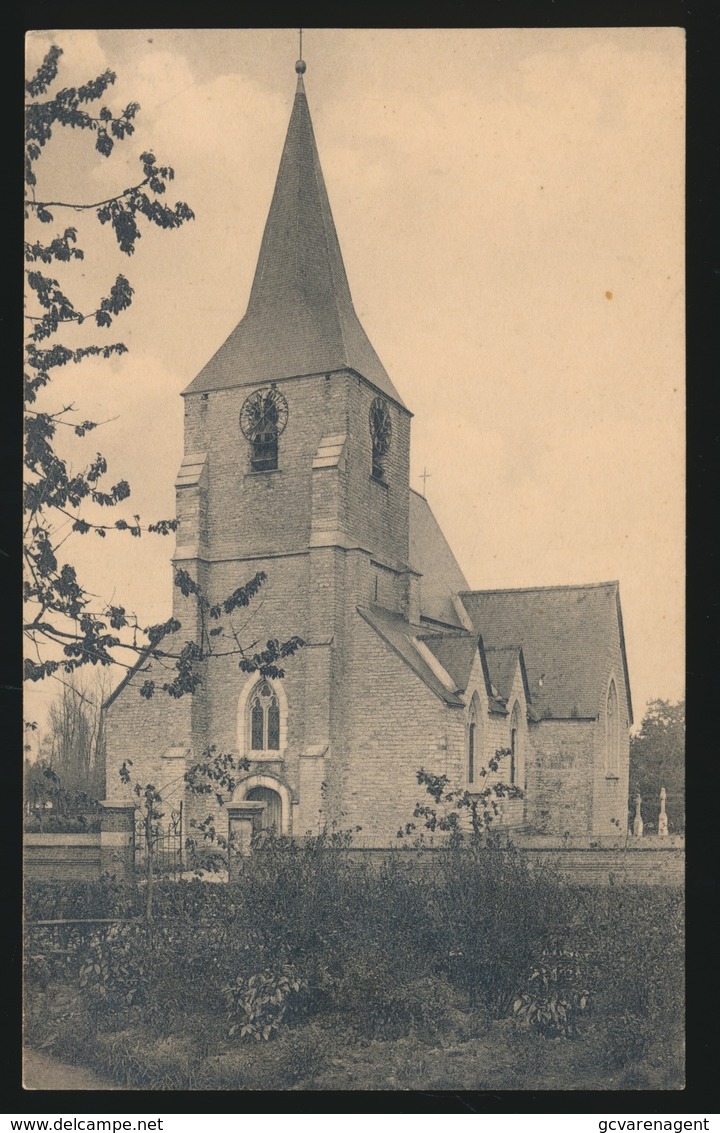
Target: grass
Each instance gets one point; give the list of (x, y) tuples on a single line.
[(476, 1054)]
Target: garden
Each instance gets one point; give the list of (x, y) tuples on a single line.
[(325, 968)]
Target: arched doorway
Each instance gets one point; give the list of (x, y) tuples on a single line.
[(272, 814)]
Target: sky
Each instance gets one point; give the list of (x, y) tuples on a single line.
[(510, 208)]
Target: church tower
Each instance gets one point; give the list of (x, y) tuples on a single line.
[(296, 464)]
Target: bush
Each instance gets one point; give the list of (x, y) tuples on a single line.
[(311, 940), (77, 900), (256, 1004)]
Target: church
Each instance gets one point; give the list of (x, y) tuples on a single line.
[(297, 463)]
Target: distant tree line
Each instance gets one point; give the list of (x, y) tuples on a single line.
[(657, 759)]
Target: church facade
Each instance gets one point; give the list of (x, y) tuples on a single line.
[(297, 457)]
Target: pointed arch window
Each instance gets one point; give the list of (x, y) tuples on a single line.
[(471, 767), (264, 719), (612, 733), (515, 745)]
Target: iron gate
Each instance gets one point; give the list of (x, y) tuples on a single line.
[(166, 845)]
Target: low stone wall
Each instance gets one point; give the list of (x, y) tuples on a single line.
[(578, 861), (84, 857), (609, 861), (61, 857)]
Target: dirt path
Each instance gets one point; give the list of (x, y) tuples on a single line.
[(43, 1072)]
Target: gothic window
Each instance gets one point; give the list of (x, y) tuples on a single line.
[(273, 725), (472, 744), (612, 732), (263, 418), (514, 744), (264, 719), (381, 435)]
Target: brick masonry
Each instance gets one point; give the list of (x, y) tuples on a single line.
[(588, 863), (84, 857), (61, 857)]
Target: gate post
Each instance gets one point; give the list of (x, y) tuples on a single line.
[(117, 840), (244, 820)]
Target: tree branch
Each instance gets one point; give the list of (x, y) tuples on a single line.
[(93, 205)]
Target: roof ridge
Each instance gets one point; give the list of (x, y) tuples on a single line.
[(542, 589), (321, 189)]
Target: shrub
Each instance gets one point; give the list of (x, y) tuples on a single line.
[(312, 939), (54, 900), (555, 1005), (256, 1005), (115, 965), (624, 1040), (493, 916)]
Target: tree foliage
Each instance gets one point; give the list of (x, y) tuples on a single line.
[(657, 759), (66, 627), (464, 815)]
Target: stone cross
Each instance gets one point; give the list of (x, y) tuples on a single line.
[(662, 820), (637, 821)]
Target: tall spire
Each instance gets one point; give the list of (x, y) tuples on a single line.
[(300, 318)]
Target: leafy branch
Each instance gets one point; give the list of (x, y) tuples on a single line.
[(452, 810), (60, 613), (66, 627)]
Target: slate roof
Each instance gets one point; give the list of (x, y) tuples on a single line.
[(567, 635), (300, 318), (430, 554), (502, 665), (455, 652), (408, 642)]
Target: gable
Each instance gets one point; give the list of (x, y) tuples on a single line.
[(568, 635), (455, 652)]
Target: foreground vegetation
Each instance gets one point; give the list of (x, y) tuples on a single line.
[(320, 970)]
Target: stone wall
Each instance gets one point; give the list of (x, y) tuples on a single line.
[(586, 862), (249, 513), (143, 731), (84, 857), (560, 775), (61, 857)]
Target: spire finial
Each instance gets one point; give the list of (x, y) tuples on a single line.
[(300, 65)]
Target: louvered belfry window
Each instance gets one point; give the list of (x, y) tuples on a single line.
[(264, 719), (263, 418), (264, 452)]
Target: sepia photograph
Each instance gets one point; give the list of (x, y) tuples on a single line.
[(353, 542)]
